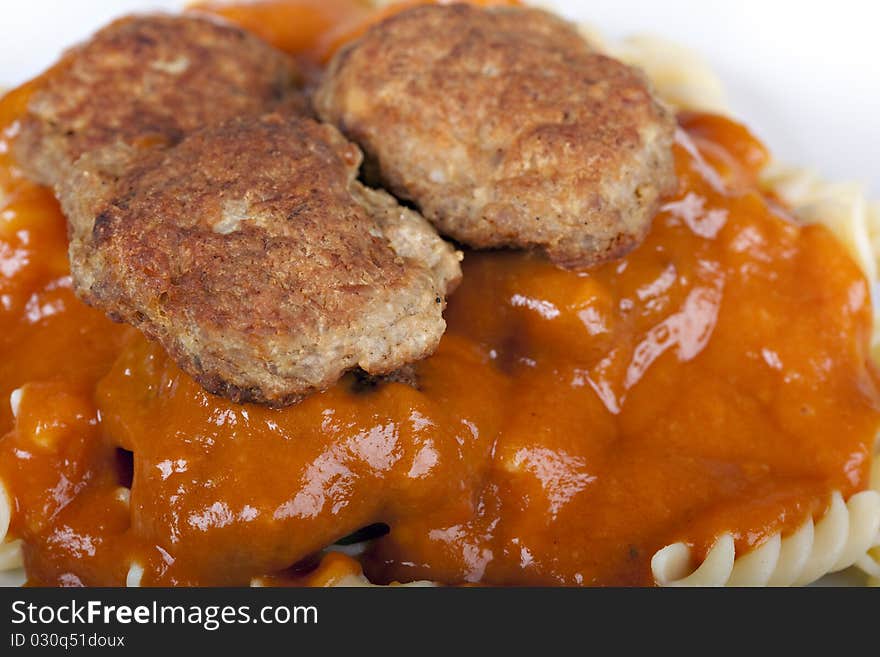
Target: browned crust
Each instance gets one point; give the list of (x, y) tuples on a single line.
[(146, 81), (262, 266), (506, 129)]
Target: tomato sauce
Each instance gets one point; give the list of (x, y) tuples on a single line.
[(716, 379)]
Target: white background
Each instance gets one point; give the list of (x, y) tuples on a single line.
[(804, 75)]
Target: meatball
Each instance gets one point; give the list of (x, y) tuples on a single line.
[(506, 129), (145, 81), (253, 255)]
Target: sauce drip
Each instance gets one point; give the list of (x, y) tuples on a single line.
[(570, 424)]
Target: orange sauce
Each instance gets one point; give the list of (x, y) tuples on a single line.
[(299, 27), (314, 29), (570, 424)]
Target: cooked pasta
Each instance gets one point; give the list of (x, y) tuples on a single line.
[(336, 570), (849, 533), (682, 79), (10, 550), (870, 561), (839, 540), (134, 575)]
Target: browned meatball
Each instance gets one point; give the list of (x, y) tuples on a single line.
[(145, 81), (506, 129), (253, 255)]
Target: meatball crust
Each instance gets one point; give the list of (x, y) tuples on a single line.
[(506, 129), (145, 81), (252, 254)]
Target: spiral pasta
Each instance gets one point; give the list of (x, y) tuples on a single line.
[(10, 550), (870, 561), (681, 78), (839, 540), (849, 532)]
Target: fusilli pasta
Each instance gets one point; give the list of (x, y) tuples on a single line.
[(848, 533)]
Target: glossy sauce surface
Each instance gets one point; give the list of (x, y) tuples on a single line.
[(571, 423)]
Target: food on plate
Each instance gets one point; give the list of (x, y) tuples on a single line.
[(697, 408), (506, 128), (145, 81), (251, 253)]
